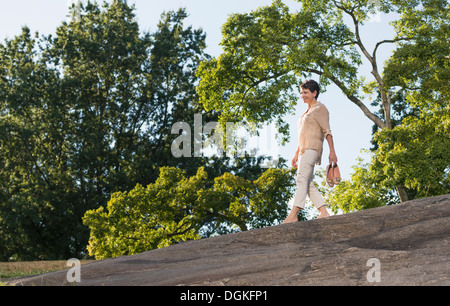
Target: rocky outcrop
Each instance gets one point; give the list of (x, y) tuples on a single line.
[(405, 244)]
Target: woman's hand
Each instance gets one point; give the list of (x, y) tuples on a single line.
[(295, 161), (333, 157)]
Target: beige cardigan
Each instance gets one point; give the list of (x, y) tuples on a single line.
[(313, 128)]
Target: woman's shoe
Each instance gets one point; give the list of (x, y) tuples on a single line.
[(336, 175), (330, 179)]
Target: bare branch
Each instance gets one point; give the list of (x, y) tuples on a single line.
[(385, 95), (375, 119), (389, 41)]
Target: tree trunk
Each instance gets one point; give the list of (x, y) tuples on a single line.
[(402, 194)]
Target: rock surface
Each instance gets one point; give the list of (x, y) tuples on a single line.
[(411, 241)]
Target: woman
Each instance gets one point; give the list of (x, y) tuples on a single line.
[(313, 127)]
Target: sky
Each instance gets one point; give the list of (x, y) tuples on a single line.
[(351, 129)]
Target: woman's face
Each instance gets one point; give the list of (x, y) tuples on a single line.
[(308, 96)]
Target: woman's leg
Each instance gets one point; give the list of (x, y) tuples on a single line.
[(323, 213), (305, 175), (318, 201)]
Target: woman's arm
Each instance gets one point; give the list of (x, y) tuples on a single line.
[(333, 156), (295, 160)]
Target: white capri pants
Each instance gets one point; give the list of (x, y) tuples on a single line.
[(305, 184)]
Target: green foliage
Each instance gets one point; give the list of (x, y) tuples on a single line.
[(177, 208), (36, 199), (268, 51), (144, 218), (86, 113), (362, 191), (415, 154)]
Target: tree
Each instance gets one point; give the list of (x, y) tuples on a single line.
[(83, 114), (268, 51), (37, 201), (88, 112), (416, 153), (362, 191), (177, 208)]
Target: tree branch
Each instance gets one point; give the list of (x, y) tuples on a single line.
[(375, 119), (388, 41), (385, 95), (257, 82)]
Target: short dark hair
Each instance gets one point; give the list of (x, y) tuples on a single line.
[(312, 86)]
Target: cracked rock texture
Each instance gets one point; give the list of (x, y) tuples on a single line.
[(411, 241)]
